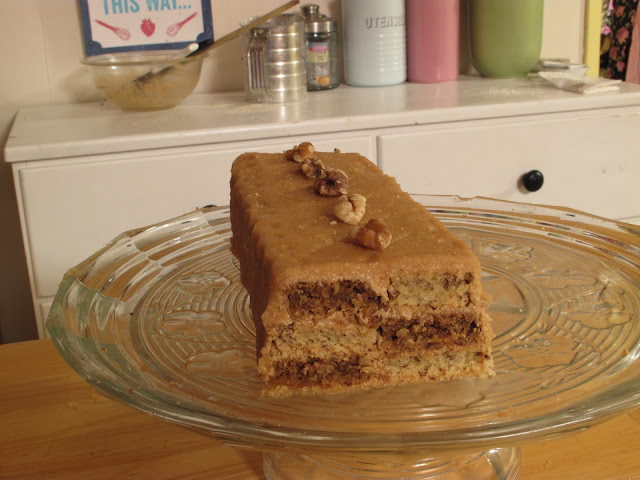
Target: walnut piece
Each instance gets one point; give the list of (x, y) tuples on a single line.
[(375, 235), (313, 168), (350, 209), (334, 183), (403, 332), (300, 153)]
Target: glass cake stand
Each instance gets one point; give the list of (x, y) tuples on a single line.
[(158, 320)]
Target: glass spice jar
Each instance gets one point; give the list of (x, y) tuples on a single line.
[(321, 42)]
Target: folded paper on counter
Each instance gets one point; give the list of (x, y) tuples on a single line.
[(580, 84)]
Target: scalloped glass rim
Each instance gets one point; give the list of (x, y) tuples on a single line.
[(115, 320)]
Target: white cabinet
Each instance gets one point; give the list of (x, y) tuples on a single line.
[(86, 173), (585, 163), (72, 207)]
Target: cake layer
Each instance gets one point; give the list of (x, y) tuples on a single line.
[(349, 374), (326, 307)]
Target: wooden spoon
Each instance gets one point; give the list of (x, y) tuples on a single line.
[(208, 44)]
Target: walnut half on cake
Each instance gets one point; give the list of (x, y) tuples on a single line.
[(352, 283)]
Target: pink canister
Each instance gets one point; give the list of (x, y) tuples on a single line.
[(433, 40)]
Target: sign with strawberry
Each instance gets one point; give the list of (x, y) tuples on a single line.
[(127, 25)]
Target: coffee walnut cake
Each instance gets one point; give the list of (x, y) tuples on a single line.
[(353, 284)]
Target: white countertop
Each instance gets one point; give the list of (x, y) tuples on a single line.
[(70, 130)]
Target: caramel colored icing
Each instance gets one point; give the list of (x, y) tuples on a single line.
[(290, 233)]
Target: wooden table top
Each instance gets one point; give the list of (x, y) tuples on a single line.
[(53, 425)]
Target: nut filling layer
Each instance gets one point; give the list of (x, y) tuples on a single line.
[(316, 371), (350, 297), (350, 371), (380, 330), (320, 298)]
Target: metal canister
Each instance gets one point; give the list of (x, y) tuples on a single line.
[(321, 43), (275, 61)]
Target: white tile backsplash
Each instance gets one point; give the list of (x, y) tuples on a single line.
[(563, 30), (23, 76), (69, 81), (42, 41)]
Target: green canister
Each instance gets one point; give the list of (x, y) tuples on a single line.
[(505, 36)]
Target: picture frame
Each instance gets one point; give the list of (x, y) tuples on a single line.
[(131, 25)]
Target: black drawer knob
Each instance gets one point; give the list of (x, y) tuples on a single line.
[(533, 180)]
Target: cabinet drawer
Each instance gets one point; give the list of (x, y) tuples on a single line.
[(589, 163), (72, 209)]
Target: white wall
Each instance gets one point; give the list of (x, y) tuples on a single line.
[(40, 49), (44, 47)]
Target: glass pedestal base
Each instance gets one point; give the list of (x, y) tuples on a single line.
[(159, 320), (496, 464)]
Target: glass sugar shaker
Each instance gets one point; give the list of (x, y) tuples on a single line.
[(321, 42)]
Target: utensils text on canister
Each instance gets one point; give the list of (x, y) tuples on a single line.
[(275, 61), (374, 34)]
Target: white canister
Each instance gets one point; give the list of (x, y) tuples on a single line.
[(374, 33)]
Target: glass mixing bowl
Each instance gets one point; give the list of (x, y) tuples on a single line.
[(149, 80)]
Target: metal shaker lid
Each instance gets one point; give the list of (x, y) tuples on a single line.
[(315, 22)]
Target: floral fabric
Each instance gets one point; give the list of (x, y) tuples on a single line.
[(617, 28)]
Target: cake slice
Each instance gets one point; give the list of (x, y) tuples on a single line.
[(352, 283)]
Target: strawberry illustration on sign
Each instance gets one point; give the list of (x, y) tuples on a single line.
[(148, 27)]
